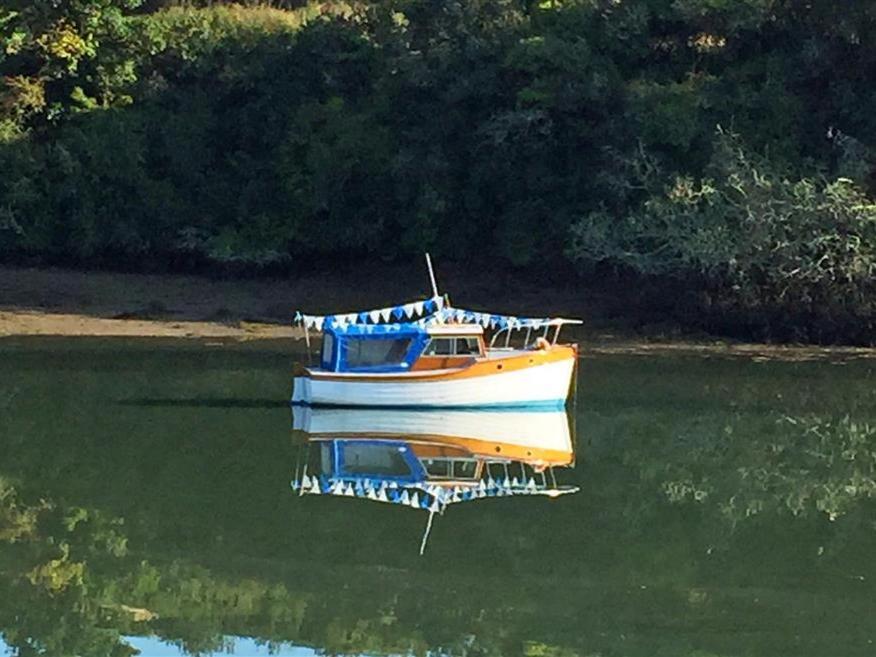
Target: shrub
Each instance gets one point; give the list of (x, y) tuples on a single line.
[(801, 247)]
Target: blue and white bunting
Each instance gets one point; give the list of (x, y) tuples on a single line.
[(425, 495), (375, 316)]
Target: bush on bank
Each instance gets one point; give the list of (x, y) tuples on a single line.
[(580, 134), (758, 244)]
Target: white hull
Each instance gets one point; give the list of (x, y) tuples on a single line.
[(544, 430), (543, 385)]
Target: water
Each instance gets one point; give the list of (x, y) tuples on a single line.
[(725, 508)]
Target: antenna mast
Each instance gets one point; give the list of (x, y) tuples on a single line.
[(426, 533), (432, 276)]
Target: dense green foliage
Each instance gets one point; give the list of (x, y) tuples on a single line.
[(762, 244), (720, 148)]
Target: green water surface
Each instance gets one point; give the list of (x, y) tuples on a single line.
[(726, 508)]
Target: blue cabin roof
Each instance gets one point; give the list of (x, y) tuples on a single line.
[(400, 330), (372, 347)]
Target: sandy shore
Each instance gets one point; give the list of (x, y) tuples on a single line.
[(30, 323), (57, 302), (22, 323), (71, 303), (64, 302)]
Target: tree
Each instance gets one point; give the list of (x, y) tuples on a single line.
[(63, 56)]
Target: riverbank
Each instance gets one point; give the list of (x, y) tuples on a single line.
[(59, 302), (68, 303), (29, 323), (54, 301)]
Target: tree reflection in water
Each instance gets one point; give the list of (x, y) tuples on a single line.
[(725, 508)]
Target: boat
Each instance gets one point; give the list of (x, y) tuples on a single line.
[(540, 438), (430, 460), (428, 354)]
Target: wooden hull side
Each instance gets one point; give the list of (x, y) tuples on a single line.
[(536, 379)]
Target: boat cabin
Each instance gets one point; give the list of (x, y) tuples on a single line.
[(393, 460), (425, 475), (399, 347)]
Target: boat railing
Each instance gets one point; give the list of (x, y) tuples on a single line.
[(532, 335)]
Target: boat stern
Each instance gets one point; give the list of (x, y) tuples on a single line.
[(301, 386)]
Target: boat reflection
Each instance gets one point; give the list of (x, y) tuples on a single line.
[(430, 460)]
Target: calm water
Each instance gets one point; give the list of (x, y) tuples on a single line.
[(725, 508)]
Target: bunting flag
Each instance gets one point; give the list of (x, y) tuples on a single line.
[(493, 321), (427, 496), (430, 311), (376, 316)]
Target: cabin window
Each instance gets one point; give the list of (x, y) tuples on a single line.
[(468, 346), (450, 468), (453, 347), (440, 347), (373, 353), (437, 467), (328, 345), (374, 459)]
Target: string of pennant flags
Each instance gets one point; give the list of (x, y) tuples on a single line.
[(429, 497), (406, 311), (490, 320), (425, 313)]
